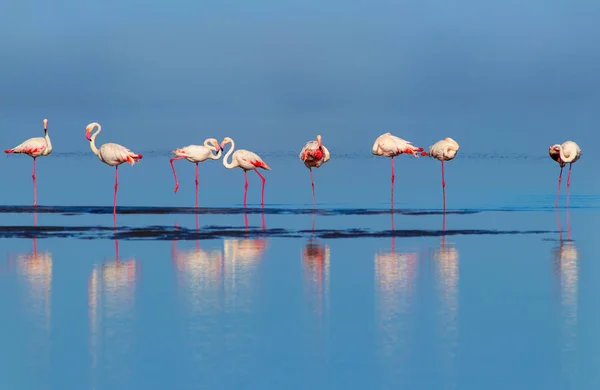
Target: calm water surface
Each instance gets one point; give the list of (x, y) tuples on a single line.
[(497, 294)]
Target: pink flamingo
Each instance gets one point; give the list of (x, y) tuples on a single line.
[(196, 154), (564, 154), (314, 154), (110, 154), (388, 145), (444, 150), (246, 160), (35, 147)]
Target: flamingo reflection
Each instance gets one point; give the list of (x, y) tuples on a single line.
[(395, 274), (199, 274), (241, 257), (566, 260), (446, 258), (111, 301), (315, 259), (36, 270)]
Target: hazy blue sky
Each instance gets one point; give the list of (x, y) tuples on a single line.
[(179, 71)]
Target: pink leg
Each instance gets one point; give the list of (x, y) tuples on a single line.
[(443, 185), (246, 220), (262, 202), (245, 188), (313, 187), (196, 185), (558, 191), (262, 218), (174, 173), (393, 178), (569, 183), (116, 188), (34, 185)]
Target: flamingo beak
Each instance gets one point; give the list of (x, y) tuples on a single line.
[(222, 144), (88, 135)]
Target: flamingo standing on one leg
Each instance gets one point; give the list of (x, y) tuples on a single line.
[(110, 154), (388, 145), (196, 154), (314, 154), (35, 147), (246, 160), (564, 154), (444, 150)]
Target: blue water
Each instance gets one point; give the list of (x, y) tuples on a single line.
[(497, 293)]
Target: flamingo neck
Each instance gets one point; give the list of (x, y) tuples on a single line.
[(48, 143), (213, 149), (233, 164), (93, 140)]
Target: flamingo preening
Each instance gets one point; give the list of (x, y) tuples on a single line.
[(246, 160), (34, 147), (444, 150), (564, 154), (388, 145), (196, 154), (314, 154), (111, 154)]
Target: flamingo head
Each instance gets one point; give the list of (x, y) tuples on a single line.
[(226, 140), (319, 140), (214, 143), (45, 124), (88, 133)]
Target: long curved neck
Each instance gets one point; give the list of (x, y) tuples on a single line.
[(213, 149), (225, 163), (93, 140)]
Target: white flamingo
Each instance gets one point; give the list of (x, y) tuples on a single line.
[(110, 154), (248, 161), (314, 154), (34, 147), (196, 154), (388, 145), (444, 150), (564, 154)]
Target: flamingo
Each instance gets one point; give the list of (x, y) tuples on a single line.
[(444, 150), (110, 154), (314, 154), (246, 160), (196, 154), (34, 147), (564, 154), (388, 145)]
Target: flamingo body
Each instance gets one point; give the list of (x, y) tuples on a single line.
[(567, 153), (314, 154), (196, 154), (444, 150), (34, 147), (246, 160)]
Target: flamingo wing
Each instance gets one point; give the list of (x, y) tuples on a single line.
[(250, 160), (115, 154), (33, 147)]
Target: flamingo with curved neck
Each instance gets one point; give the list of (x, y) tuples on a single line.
[(34, 147), (111, 154), (246, 160), (314, 154), (196, 154), (564, 154), (444, 150)]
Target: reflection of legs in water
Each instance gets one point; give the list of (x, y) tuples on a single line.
[(393, 236), (393, 177), (264, 226), (197, 231), (34, 237), (117, 250), (246, 220), (314, 218), (443, 230), (559, 226), (558, 191), (568, 225), (569, 183)]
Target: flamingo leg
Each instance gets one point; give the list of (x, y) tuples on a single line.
[(196, 185), (443, 185), (569, 183), (116, 188), (262, 202), (246, 220), (34, 184), (174, 173), (313, 187), (393, 178), (559, 181), (245, 187)]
